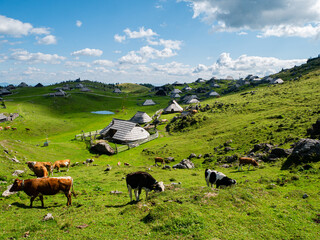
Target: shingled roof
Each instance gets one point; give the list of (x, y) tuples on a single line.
[(124, 131), (148, 102), (141, 117)]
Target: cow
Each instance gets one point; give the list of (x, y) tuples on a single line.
[(126, 164), (160, 160), (38, 168), (119, 164), (7, 127), (44, 186), (47, 165), (1, 128), (27, 129), (247, 160), (142, 180), (60, 163), (218, 178), (13, 128)]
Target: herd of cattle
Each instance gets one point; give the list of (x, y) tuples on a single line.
[(45, 185)]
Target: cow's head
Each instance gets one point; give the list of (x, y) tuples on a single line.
[(255, 163), (30, 164), (16, 186), (158, 186)]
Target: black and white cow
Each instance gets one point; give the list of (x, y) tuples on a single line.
[(142, 180), (218, 178)]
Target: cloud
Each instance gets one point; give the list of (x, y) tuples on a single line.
[(16, 28), (172, 44), (173, 68), (47, 40), (272, 18), (31, 70), (78, 23), (244, 65), (144, 54), (119, 38), (88, 52), (25, 56), (77, 64), (106, 63), (142, 33)]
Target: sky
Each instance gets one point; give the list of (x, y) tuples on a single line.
[(153, 41)]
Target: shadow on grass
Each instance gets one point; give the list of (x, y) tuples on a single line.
[(21, 205), (121, 205)]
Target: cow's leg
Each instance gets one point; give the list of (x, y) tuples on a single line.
[(249, 167), (207, 182), (68, 195), (41, 199), (32, 199), (147, 194), (139, 192), (130, 191), (136, 194)]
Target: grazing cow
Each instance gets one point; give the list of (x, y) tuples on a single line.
[(1, 128), (160, 160), (247, 160), (194, 111), (60, 163), (27, 129), (119, 163), (142, 180), (218, 178), (7, 127), (44, 186), (126, 164), (14, 128), (38, 168), (47, 165)]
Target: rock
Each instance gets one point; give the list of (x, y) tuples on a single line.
[(266, 147), (184, 164), (166, 167), (314, 131), (227, 143), (17, 172), (82, 226), (231, 159), (48, 217), (253, 122), (279, 152), (14, 159), (116, 192), (169, 159), (103, 147), (304, 196), (225, 165), (108, 169), (305, 150), (199, 156), (6, 193), (192, 155)]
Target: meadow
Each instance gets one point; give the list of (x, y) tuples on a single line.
[(267, 203)]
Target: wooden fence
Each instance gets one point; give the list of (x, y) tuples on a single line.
[(90, 135)]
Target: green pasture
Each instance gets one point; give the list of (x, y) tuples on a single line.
[(267, 203)]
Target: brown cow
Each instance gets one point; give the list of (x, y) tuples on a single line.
[(7, 128), (44, 186), (60, 163), (47, 165), (38, 168), (247, 160), (160, 160)]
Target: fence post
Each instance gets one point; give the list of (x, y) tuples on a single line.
[(116, 148)]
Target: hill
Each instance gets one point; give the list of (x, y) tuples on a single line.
[(267, 203)]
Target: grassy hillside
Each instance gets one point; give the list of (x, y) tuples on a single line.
[(266, 203)]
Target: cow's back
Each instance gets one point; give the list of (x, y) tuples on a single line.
[(48, 186), (140, 179)]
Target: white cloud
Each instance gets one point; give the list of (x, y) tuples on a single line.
[(25, 56), (141, 34), (106, 63), (77, 64), (78, 23), (144, 54), (172, 44), (245, 65), (119, 38), (173, 68), (16, 28), (88, 52), (31, 70), (40, 31), (273, 18), (47, 40)]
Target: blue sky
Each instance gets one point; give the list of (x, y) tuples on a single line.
[(157, 42)]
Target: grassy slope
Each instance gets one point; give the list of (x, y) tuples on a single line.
[(266, 204)]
